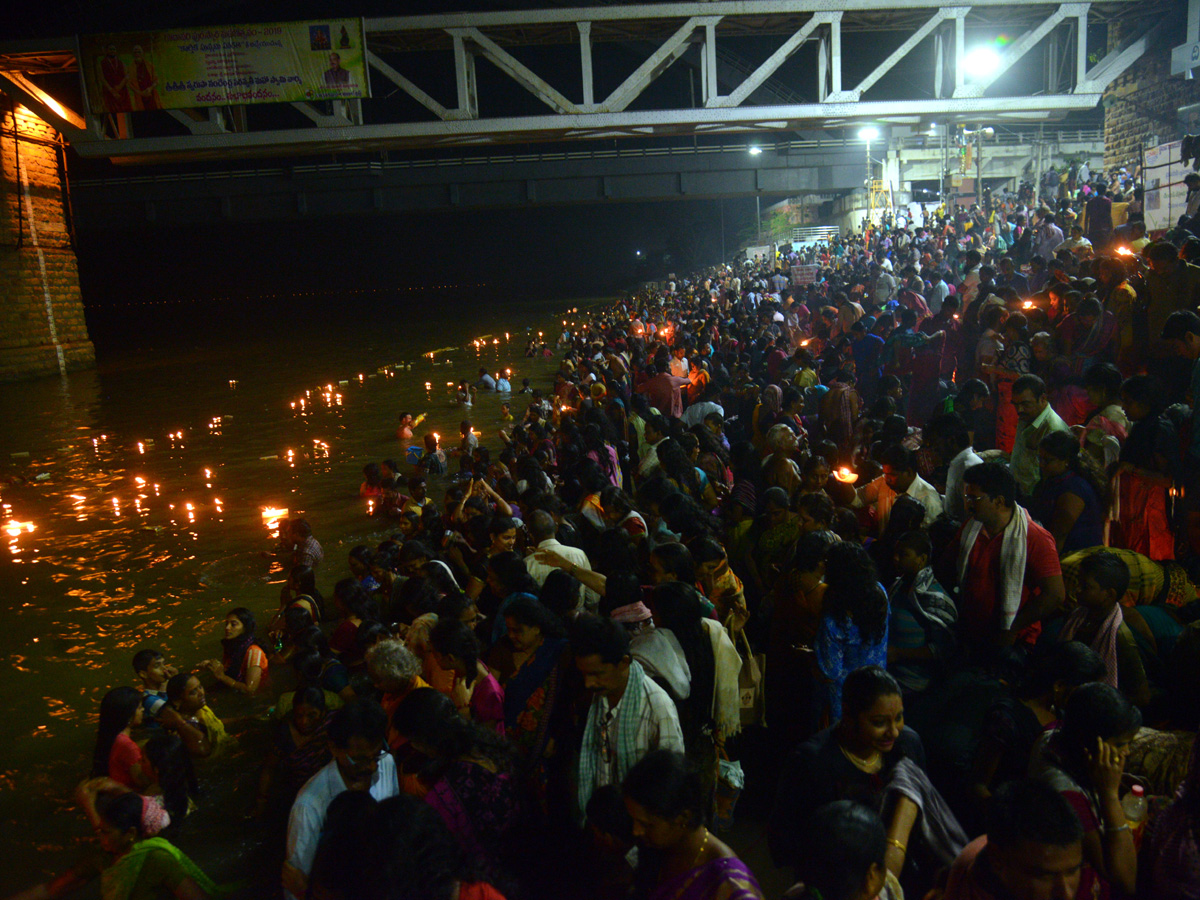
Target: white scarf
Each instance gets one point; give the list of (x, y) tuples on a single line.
[(1013, 552)]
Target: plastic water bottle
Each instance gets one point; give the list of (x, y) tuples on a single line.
[(1134, 805)]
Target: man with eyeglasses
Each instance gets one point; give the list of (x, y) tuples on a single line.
[(361, 762)]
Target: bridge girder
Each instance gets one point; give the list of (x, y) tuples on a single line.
[(672, 30)]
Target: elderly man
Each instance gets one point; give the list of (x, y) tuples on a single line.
[(1036, 419)]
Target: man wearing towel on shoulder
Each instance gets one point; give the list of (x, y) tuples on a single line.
[(1009, 577)]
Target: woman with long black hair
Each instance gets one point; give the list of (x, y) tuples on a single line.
[(854, 624), (116, 755), (243, 663)]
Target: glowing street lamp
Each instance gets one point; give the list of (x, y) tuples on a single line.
[(755, 150)]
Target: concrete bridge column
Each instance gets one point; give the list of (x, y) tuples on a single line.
[(42, 328)]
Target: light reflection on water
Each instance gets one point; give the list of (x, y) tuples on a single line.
[(140, 503)]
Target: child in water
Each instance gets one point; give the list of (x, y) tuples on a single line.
[(466, 393), (505, 413)]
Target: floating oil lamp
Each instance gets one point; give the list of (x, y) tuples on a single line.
[(845, 476)]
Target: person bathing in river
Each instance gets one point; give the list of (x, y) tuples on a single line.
[(243, 663), (153, 673), (405, 431)]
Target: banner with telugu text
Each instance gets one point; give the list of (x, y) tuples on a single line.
[(277, 62)]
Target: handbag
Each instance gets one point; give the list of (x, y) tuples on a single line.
[(751, 681)]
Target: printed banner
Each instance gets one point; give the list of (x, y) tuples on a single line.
[(279, 62), (804, 274), (1165, 199)]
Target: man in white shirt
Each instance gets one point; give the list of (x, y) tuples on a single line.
[(542, 528), (1048, 236), (629, 715), (899, 477), (678, 363), (654, 432), (361, 762), (950, 439)]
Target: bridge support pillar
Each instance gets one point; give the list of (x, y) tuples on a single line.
[(42, 327)]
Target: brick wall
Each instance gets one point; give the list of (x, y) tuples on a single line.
[(1142, 103), (27, 349)]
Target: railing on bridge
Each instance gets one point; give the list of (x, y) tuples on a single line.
[(814, 234), (1013, 136)]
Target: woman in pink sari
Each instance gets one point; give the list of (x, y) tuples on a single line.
[(679, 859)]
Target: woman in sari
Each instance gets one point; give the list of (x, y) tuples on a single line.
[(679, 858), (1141, 513), (469, 777), (142, 866), (536, 643), (243, 662)]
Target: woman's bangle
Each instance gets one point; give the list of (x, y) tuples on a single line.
[(1109, 829), (899, 846)]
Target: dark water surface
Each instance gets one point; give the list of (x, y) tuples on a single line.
[(148, 526)]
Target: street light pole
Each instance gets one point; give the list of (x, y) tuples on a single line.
[(758, 217)]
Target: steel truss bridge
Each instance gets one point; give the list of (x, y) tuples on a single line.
[(404, 55)]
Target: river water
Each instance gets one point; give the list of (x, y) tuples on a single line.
[(131, 516)]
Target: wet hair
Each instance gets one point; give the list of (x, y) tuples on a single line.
[(243, 615), (359, 718), (863, 687), (1030, 810), (174, 771), (666, 785), (144, 659), (372, 474), (117, 709), (531, 613), (336, 867), (844, 840), (1071, 662), (1108, 571), (854, 593), (176, 685), (993, 478), (452, 637), (122, 811), (1096, 710), (594, 636)]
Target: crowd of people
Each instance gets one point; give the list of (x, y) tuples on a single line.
[(906, 552)]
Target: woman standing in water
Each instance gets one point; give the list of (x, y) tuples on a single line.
[(243, 663), (116, 754), (141, 866)]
